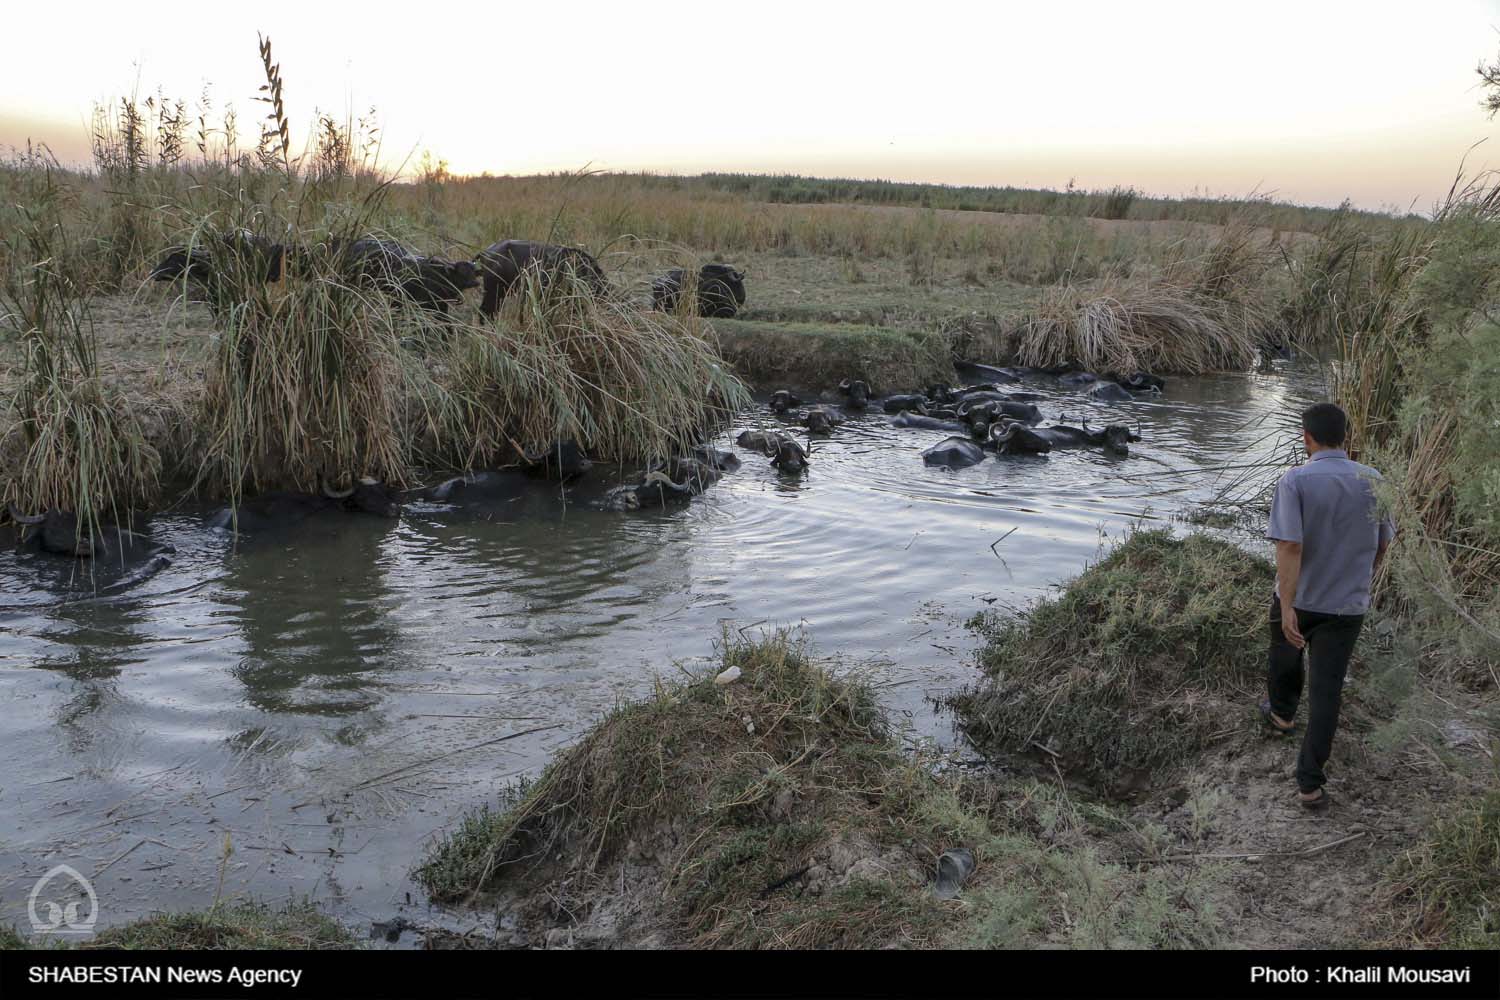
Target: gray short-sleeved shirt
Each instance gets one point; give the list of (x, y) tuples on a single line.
[(1328, 504)]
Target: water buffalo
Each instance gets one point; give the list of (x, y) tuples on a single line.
[(1142, 382), (821, 419), (108, 547), (502, 265), (762, 441), (254, 256), (1077, 378), (282, 507), (403, 274), (61, 532), (989, 410), (721, 290), (856, 393), (954, 453), (1109, 392), (906, 418), (944, 393), (715, 458), (783, 400), (678, 479), (1012, 438), (787, 455), (988, 372), (482, 483), (562, 461), (909, 401), (783, 450)]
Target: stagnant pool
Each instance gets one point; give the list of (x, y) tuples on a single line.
[(330, 697)]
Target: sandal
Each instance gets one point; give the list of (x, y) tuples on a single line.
[(1318, 804), (1269, 718)]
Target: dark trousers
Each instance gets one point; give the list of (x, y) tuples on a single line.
[(1330, 639)]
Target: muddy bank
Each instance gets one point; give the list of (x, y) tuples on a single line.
[(820, 355)]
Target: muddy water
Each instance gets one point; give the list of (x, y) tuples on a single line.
[(328, 698)]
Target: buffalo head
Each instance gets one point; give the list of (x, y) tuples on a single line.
[(366, 495), (1116, 438), (789, 456), (462, 274), (857, 391)]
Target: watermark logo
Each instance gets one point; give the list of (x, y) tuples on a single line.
[(55, 905)]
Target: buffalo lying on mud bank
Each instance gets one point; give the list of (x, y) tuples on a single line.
[(721, 290), (503, 265), (397, 271), (255, 255)]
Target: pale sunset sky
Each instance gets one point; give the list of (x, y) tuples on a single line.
[(1311, 101)]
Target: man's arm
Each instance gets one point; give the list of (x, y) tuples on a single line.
[(1288, 568), (1379, 555), (1286, 530)]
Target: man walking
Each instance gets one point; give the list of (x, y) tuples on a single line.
[(1329, 540)]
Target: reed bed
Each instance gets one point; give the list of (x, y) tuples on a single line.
[(1128, 326), (72, 441)]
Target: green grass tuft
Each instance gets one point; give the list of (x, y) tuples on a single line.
[(1445, 891), (1134, 665)]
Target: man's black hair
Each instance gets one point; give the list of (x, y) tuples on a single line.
[(1326, 423)]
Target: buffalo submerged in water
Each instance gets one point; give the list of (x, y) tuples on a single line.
[(1013, 438), (280, 508)]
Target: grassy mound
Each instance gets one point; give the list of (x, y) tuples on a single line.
[(778, 811), (731, 792), (254, 926), (1139, 662), (1445, 891), (770, 355)]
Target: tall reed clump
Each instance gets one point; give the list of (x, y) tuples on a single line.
[(561, 361), (1201, 308), (138, 150), (305, 387), (1123, 324), (74, 444), (1419, 373), (1351, 293)]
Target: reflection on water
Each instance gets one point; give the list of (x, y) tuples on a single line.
[(328, 696)]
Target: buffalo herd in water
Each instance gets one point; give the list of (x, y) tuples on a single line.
[(982, 418)]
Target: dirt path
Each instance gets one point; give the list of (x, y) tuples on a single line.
[(1325, 894)]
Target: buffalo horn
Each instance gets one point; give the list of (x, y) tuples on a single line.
[(19, 518)]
